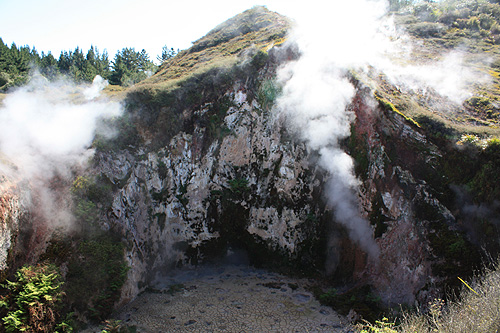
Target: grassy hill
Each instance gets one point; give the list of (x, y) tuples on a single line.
[(225, 45), (469, 31)]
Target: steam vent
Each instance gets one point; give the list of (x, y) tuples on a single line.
[(267, 179)]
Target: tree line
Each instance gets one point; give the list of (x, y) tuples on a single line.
[(17, 65)]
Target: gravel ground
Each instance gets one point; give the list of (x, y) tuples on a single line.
[(230, 299)]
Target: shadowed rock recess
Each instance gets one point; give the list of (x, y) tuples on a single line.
[(203, 166)]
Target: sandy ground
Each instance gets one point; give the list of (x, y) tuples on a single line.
[(230, 299)]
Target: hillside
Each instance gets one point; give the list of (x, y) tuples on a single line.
[(445, 32), (223, 46)]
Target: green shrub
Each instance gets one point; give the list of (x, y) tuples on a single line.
[(360, 299), (239, 185), (115, 326), (427, 29), (268, 91), (96, 273), (468, 139), (33, 301), (95, 189), (486, 182)]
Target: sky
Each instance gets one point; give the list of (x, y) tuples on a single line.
[(56, 25)]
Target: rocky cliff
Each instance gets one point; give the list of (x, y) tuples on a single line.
[(223, 172), (204, 167)]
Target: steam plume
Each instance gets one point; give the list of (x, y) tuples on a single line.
[(45, 130), (317, 93), (333, 40)]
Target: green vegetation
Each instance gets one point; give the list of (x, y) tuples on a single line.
[(476, 166), (18, 64), (34, 301), (267, 94), (88, 194), (97, 264), (76, 65), (166, 54), (131, 67), (94, 258), (486, 180), (175, 288), (386, 104), (376, 216), (469, 28), (361, 299), (96, 271), (238, 186), (128, 137), (95, 189), (116, 326), (161, 108)]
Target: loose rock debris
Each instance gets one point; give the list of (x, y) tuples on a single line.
[(230, 299)]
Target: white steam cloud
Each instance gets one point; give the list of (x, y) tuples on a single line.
[(449, 77), (317, 93), (45, 130), (332, 40)]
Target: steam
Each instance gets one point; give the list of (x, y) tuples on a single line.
[(449, 77), (317, 93), (352, 35), (94, 91), (45, 131)]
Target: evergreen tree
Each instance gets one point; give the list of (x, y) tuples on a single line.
[(4, 56), (35, 58), (64, 62), (127, 68), (76, 70), (103, 65), (48, 66), (130, 67), (166, 54)]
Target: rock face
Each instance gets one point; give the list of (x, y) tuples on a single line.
[(250, 188), (213, 169), (254, 187), (10, 212), (250, 185), (389, 194), (21, 241)]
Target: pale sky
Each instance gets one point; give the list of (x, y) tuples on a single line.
[(55, 25)]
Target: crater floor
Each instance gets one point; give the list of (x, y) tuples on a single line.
[(230, 299)]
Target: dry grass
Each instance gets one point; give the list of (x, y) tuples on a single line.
[(477, 309), (223, 46), (115, 92)]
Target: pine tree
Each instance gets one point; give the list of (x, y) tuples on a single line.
[(166, 54), (130, 67), (48, 66)]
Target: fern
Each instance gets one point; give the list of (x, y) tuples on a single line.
[(33, 299)]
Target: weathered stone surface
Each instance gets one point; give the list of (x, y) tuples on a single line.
[(10, 211), (174, 198)]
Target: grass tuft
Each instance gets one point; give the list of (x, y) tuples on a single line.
[(477, 309)]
